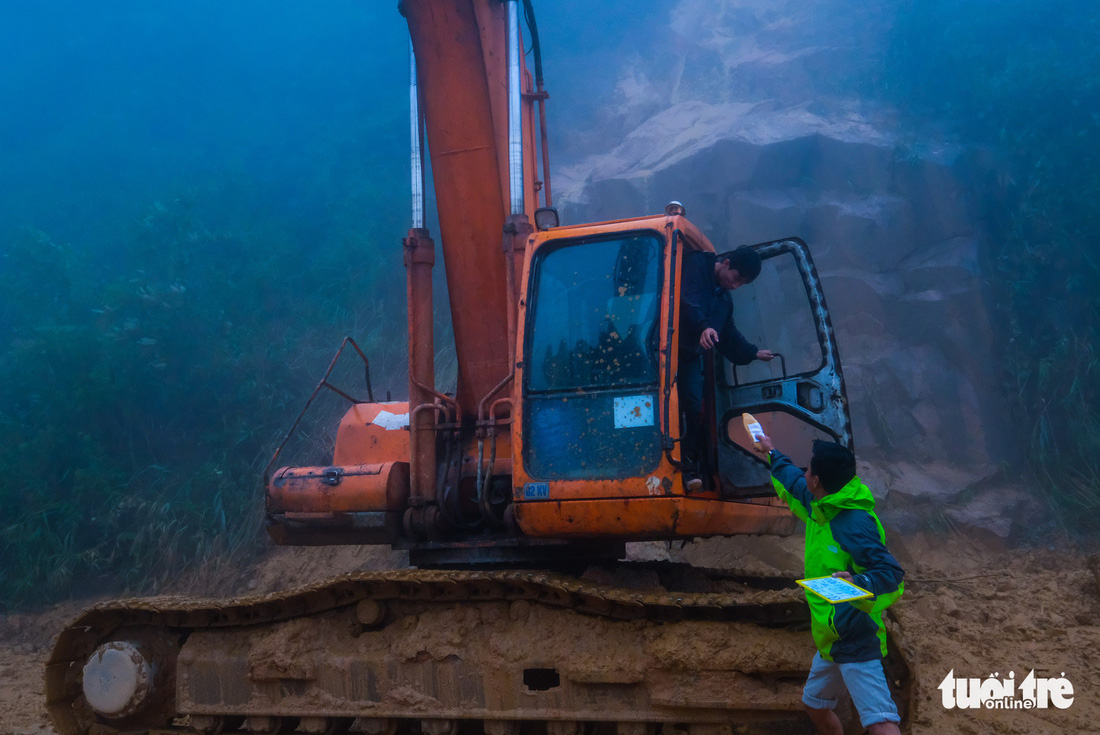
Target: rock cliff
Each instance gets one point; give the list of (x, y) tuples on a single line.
[(764, 119)]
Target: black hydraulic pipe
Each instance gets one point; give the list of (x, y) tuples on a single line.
[(529, 15)]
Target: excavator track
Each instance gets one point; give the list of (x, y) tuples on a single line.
[(435, 652)]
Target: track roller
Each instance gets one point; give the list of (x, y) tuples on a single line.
[(216, 724), (501, 727), (438, 727), (370, 613), (325, 725), (636, 728), (376, 725), (263, 725), (567, 727)]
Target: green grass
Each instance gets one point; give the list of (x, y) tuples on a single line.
[(145, 382)]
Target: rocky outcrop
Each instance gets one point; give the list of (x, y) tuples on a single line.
[(893, 229)]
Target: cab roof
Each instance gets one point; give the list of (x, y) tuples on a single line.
[(692, 235)]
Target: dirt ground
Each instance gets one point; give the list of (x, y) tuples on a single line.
[(969, 609)]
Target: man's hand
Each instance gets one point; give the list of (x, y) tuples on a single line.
[(765, 355), (843, 575), (763, 445), (709, 338)]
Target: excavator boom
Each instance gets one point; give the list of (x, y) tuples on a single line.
[(462, 64)]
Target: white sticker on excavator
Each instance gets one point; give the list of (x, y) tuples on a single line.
[(391, 421), (633, 411)]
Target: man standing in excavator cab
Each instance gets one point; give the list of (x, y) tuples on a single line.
[(845, 539), (706, 322)]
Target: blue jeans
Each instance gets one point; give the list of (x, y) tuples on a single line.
[(865, 682)]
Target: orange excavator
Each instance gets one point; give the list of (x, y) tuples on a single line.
[(560, 444)]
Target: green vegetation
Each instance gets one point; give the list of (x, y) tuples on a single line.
[(144, 383), (1022, 80)]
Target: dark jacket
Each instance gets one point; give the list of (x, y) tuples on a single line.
[(703, 303), (843, 534)]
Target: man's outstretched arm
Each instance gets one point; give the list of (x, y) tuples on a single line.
[(789, 482), (734, 346)]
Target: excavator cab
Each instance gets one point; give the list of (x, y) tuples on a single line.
[(596, 445)]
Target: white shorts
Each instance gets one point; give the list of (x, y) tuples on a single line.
[(865, 682)]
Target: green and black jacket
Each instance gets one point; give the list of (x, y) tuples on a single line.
[(843, 534)]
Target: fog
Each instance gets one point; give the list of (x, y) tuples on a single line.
[(200, 199)]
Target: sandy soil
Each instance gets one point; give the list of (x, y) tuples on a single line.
[(25, 643), (967, 609), (1016, 612)]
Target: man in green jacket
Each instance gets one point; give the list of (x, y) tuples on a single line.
[(844, 539)]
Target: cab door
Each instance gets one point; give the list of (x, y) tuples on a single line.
[(797, 397)]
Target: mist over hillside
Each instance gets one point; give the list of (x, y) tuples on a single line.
[(200, 199)]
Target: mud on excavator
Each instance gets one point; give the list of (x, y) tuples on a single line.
[(559, 445)]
